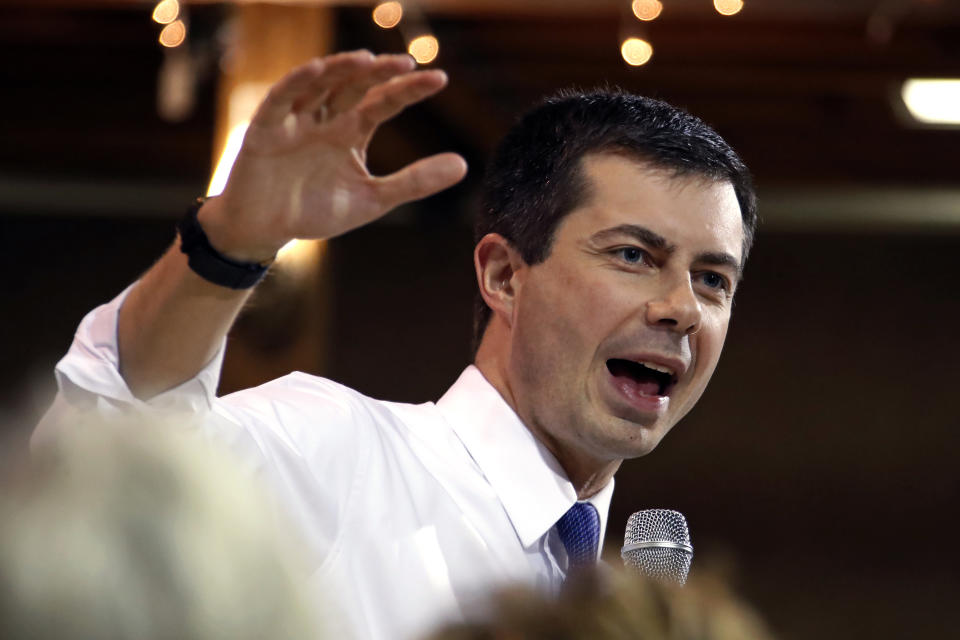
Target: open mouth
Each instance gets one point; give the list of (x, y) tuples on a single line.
[(646, 378)]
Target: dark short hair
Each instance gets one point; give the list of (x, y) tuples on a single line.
[(534, 179)]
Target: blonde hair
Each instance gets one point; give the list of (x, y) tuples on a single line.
[(616, 605), (127, 531)]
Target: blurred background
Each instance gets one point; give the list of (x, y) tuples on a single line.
[(818, 470)]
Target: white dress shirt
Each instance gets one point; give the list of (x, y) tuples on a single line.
[(411, 513)]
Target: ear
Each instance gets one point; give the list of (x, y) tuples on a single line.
[(499, 269)]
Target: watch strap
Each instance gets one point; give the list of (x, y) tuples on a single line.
[(210, 264)]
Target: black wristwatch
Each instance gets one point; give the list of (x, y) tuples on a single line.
[(210, 264)]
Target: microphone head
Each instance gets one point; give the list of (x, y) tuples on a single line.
[(657, 544)]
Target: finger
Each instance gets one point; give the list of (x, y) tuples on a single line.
[(386, 100), (339, 69), (352, 90), (279, 101), (343, 87), (302, 82), (420, 179)]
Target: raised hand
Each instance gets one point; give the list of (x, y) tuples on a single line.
[(301, 172)]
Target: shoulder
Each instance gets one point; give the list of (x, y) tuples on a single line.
[(298, 392), (309, 412)]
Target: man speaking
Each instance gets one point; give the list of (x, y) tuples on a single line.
[(612, 237)]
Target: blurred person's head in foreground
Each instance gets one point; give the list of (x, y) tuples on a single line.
[(615, 605), (132, 533)]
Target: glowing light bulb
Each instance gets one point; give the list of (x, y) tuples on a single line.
[(173, 34), (636, 51), (166, 11), (387, 15), (424, 49), (647, 10), (728, 7)]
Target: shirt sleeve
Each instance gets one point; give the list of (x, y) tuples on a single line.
[(309, 439), (88, 378)]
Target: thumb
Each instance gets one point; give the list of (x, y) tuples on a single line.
[(420, 179)]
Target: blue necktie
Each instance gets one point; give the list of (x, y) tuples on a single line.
[(579, 530)]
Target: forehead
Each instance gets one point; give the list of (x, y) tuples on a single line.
[(690, 211)]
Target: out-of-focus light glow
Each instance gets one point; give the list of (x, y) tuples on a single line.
[(176, 85), (933, 100), (636, 51), (424, 49), (227, 158), (244, 99), (166, 11), (173, 34), (728, 7), (647, 10), (300, 256), (241, 105), (388, 14)]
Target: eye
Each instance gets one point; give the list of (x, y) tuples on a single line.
[(714, 280), (631, 255)]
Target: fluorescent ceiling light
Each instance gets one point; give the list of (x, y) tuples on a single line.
[(933, 101)]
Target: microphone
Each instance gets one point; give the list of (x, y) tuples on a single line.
[(657, 544)]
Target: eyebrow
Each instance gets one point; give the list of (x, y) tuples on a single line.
[(720, 260), (656, 241), (644, 235)]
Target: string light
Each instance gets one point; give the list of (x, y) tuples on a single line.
[(647, 10), (173, 34), (424, 49), (728, 7), (387, 15), (166, 11), (636, 51)]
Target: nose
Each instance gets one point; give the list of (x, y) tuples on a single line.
[(676, 307)]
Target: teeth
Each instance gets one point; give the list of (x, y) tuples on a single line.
[(658, 367)]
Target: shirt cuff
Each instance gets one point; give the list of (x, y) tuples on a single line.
[(89, 375)]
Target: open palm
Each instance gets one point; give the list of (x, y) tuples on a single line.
[(301, 171)]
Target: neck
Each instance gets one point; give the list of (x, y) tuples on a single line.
[(590, 482), (587, 474)]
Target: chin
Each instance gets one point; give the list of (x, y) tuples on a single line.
[(643, 449), (632, 444)]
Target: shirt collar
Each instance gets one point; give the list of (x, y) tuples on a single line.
[(530, 483)]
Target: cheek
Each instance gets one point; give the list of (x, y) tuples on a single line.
[(709, 346), (555, 332), (566, 314)]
